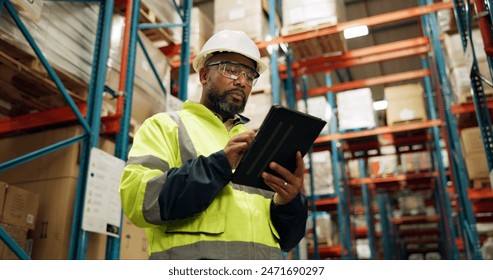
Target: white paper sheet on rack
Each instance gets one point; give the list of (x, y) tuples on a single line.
[(102, 205)]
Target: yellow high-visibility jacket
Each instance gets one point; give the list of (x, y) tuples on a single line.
[(176, 184)]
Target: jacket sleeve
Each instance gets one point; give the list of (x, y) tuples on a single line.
[(191, 188), (290, 221), (156, 186)]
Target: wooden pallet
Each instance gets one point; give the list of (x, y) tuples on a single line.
[(481, 183), (155, 34), (328, 45), (26, 86)]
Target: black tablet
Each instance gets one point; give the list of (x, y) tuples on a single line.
[(282, 133)]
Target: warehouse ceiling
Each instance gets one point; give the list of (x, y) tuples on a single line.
[(380, 34)]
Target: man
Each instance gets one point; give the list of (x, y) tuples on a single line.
[(177, 180)]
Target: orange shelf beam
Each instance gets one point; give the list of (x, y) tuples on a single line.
[(327, 204), (39, 119), (467, 107), (419, 232), (406, 220), (321, 140), (398, 178), (328, 251), (359, 53), (477, 194), (380, 80), (369, 21), (364, 60)]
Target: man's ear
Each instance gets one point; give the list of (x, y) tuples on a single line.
[(203, 75)]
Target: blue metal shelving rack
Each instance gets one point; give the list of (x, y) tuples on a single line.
[(90, 123), (466, 218), (122, 137), (340, 186)]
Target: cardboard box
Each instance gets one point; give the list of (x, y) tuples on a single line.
[(244, 15), (133, 243), (53, 226), (405, 103), (20, 207), (19, 235), (51, 236), (476, 165), (472, 140), (304, 14), (62, 163)]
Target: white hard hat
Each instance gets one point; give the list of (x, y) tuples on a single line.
[(229, 41)]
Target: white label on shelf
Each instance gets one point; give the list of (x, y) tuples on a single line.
[(102, 205)]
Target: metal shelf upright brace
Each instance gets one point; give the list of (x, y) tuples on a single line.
[(273, 50), (343, 220), (466, 216), (130, 40), (90, 125)]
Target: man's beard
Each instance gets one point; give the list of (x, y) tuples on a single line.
[(222, 106)]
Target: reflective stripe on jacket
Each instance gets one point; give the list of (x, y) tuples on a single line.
[(176, 185)]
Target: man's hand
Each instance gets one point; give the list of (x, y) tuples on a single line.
[(289, 184), (237, 146)]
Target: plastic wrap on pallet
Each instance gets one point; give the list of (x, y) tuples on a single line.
[(243, 15), (302, 14), (256, 109), (319, 107), (148, 98), (201, 29), (66, 41), (355, 109), (323, 181)]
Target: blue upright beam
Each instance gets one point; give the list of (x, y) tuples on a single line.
[(79, 237), (461, 182), (185, 52), (337, 172), (276, 97), (367, 202), (12, 245), (289, 83), (313, 208), (385, 213)]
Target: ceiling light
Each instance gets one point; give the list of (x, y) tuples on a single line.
[(355, 31), (380, 105)]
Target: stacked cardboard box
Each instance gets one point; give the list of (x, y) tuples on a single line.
[(54, 178), (67, 42), (323, 181), (18, 213), (148, 97), (201, 29), (405, 103), (243, 15), (415, 162), (303, 15), (474, 153), (459, 66)]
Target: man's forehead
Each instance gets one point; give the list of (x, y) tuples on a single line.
[(234, 57)]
